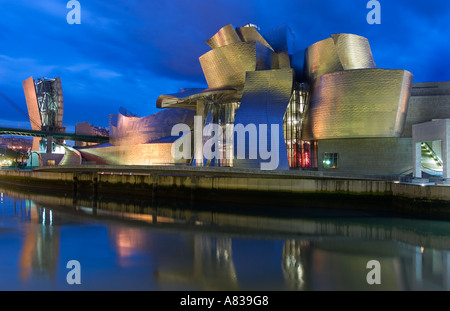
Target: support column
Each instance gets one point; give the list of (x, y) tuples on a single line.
[(417, 159), (446, 152), (198, 133), (229, 133), (49, 144)]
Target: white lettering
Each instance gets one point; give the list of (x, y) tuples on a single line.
[(74, 15), (374, 275), (214, 146), (74, 275), (181, 148), (374, 15)]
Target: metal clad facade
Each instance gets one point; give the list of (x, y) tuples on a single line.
[(322, 58), (226, 35), (249, 34), (32, 104), (226, 66), (358, 103), (264, 101), (135, 130), (339, 52), (353, 51)]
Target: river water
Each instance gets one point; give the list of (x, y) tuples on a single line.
[(58, 243)]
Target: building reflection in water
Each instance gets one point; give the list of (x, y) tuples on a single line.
[(213, 263), (198, 260), (292, 264), (185, 255), (39, 254), (430, 269), (128, 242), (205, 262), (309, 265)]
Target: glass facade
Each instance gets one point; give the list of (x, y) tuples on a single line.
[(301, 154), (222, 114), (309, 154), (49, 97)]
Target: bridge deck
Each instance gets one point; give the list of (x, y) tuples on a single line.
[(43, 134)]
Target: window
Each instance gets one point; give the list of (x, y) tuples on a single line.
[(330, 160), (292, 124), (51, 162)]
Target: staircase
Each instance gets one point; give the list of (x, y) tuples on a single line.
[(431, 162)]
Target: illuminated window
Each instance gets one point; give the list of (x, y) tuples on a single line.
[(330, 160), (292, 124), (51, 162)]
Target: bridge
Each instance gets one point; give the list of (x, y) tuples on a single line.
[(44, 134)]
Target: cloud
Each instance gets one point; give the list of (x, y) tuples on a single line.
[(128, 52), (9, 75)]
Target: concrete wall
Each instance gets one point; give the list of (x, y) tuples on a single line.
[(254, 188), (431, 131), (372, 156), (191, 179), (428, 101), (45, 157)]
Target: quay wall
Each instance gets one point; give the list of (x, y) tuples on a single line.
[(206, 181), (246, 187)]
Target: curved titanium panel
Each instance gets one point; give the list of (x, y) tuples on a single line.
[(354, 51), (33, 109), (340, 52), (135, 130), (264, 101), (249, 34), (358, 103), (226, 66), (32, 103), (322, 58), (281, 60), (179, 100), (188, 99), (226, 35)]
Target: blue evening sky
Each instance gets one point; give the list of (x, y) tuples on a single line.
[(128, 52)]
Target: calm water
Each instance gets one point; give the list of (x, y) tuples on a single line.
[(143, 247)]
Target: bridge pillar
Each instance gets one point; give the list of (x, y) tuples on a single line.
[(49, 144)]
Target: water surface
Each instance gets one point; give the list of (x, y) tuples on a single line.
[(129, 246)]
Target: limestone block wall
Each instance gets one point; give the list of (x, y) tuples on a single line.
[(373, 156)]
